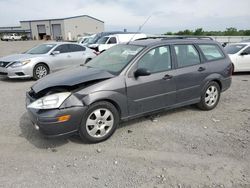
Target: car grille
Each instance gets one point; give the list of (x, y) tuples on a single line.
[(4, 63)]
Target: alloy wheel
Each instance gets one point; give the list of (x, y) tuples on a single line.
[(211, 96), (100, 122), (41, 71)]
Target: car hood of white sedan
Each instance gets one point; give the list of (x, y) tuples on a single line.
[(19, 57)]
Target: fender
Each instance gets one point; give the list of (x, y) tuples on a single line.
[(212, 77), (119, 100)]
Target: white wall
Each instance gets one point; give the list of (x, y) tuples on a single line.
[(79, 26)]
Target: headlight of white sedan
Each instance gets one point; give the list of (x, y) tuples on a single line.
[(50, 102), (19, 63)]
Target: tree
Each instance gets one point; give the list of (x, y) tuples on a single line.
[(199, 31), (231, 31)]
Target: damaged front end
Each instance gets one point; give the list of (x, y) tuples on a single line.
[(54, 105)]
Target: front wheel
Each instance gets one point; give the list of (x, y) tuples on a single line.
[(210, 96), (99, 122), (40, 71)]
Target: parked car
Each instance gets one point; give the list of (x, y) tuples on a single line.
[(128, 81), (109, 41), (240, 55), (13, 36), (44, 59), (102, 34), (84, 40)]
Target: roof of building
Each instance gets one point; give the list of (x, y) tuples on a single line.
[(63, 19)]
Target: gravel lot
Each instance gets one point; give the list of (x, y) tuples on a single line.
[(179, 148)]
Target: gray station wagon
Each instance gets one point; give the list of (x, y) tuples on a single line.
[(129, 81)]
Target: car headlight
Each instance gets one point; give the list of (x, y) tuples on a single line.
[(19, 63), (50, 102)]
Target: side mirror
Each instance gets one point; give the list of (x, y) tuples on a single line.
[(55, 52), (141, 72)]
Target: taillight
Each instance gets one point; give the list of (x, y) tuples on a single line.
[(96, 53)]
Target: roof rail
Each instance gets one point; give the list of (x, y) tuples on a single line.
[(177, 37), (189, 37)]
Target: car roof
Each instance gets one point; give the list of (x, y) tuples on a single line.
[(239, 43), (159, 41), (61, 42)]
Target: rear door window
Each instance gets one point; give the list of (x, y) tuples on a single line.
[(76, 48), (211, 52), (187, 55)]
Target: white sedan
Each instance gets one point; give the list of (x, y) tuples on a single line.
[(240, 56)]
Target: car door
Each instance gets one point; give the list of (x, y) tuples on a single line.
[(61, 58), (243, 60), (191, 73), (155, 91), (78, 55)]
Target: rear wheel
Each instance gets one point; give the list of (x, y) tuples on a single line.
[(210, 96), (40, 71), (99, 122)]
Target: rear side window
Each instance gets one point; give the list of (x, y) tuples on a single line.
[(211, 52), (186, 55)]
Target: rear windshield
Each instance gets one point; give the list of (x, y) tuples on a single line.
[(234, 48)]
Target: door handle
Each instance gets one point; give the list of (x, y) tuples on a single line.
[(200, 69), (167, 77)]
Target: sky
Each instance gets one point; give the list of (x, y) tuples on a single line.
[(165, 15)]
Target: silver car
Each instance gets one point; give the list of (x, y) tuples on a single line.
[(44, 59)]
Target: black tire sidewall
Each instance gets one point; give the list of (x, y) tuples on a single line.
[(34, 71), (83, 131), (202, 103)]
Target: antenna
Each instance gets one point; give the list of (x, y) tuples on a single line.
[(139, 29)]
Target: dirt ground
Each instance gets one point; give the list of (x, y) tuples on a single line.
[(182, 148)]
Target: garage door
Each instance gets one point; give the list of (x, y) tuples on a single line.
[(41, 29), (56, 29)]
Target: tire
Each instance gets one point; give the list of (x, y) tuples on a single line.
[(87, 60), (94, 123), (210, 96), (40, 71)]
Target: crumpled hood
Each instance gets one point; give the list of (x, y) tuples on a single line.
[(18, 57), (71, 77)]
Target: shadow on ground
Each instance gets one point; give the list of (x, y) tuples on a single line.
[(29, 132), (33, 136), (16, 80)]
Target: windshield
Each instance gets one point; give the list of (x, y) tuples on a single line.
[(102, 40), (233, 49), (116, 58), (41, 49), (94, 39)]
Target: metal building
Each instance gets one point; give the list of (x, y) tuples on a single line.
[(64, 28)]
